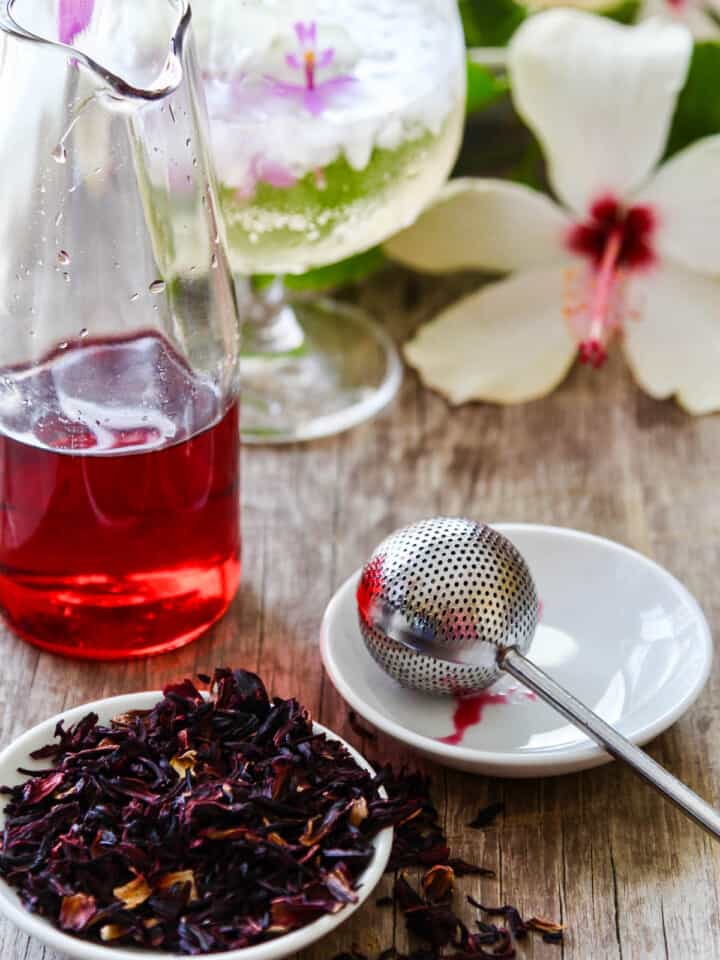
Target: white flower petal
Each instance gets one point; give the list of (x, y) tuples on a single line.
[(484, 225), (674, 345), (691, 14), (685, 193), (599, 96), (507, 343)]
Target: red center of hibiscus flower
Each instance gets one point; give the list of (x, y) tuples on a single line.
[(615, 239)]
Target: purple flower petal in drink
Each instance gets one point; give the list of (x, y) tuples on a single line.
[(325, 58), (264, 171), (276, 175), (312, 93), (306, 33), (314, 99), (73, 16)]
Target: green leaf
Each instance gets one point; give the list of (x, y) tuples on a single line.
[(484, 87), (697, 112), (530, 167), (352, 270), (490, 23), (625, 11)]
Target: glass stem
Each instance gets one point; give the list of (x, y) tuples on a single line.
[(273, 326)]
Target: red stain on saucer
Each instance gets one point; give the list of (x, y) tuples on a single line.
[(469, 709)]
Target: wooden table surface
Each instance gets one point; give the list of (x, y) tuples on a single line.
[(597, 850)]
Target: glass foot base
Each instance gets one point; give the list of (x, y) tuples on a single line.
[(345, 372)]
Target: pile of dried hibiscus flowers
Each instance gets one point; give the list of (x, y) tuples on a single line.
[(204, 825)]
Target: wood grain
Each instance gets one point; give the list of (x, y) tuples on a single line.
[(627, 874)]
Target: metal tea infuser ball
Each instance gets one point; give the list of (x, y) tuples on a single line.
[(447, 605)]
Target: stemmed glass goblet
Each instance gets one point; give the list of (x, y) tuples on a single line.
[(332, 126)]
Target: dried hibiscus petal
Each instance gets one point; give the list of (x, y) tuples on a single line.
[(184, 762), (180, 878), (39, 788), (487, 816), (112, 931), (134, 893), (77, 911), (438, 883), (551, 932)]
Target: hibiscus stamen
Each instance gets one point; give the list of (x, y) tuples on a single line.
[(615, 240), (309, 59), (593, 350)]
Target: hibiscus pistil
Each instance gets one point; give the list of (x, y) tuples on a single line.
[(616, 240), (309, 59)]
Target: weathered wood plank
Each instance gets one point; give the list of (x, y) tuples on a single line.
[(630, 877)]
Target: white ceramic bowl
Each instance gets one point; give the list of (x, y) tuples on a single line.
[(18, 755), (617, 630)]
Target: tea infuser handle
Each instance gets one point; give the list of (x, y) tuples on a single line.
[(693, 806)]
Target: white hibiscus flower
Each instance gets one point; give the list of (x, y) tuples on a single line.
[(630, 249), (701, 16)]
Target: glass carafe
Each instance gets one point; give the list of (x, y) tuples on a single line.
[(119, 514)]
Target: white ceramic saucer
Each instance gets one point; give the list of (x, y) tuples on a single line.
[(617, 630)]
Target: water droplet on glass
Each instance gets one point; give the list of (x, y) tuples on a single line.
[(63, 258), (63, 346), (116, 264), (172, 113), (195, 161), (253, 237), (59, 154), (134, 297), (188, 141), (84, 332), (59, 218), (66, 277), (157, 286), (214, 261)]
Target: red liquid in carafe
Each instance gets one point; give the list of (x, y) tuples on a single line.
[(119, 499)]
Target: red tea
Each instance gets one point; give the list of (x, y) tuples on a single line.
[(119, 500)]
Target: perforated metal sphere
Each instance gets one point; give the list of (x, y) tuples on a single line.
[(440, 599)]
